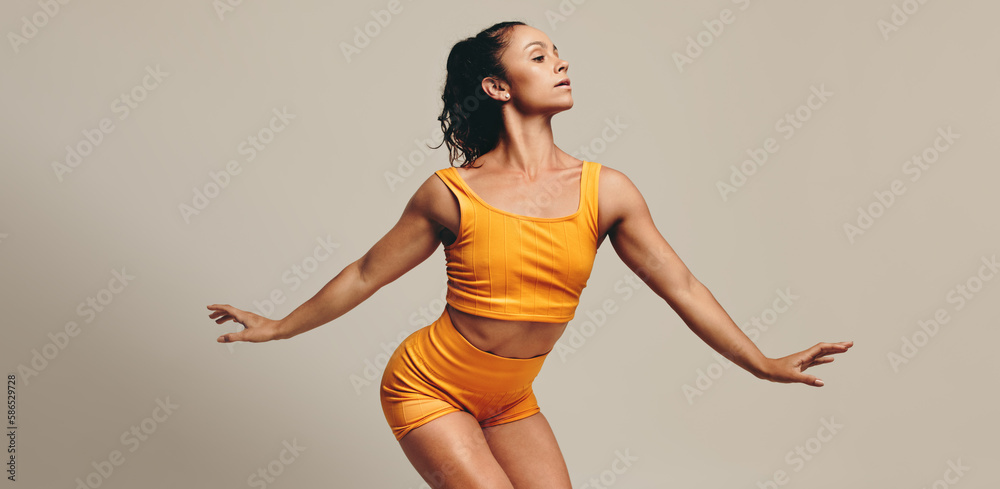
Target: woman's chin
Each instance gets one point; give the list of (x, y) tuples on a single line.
[(566, 106)]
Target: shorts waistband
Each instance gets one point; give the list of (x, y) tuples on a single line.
[(473, 367)]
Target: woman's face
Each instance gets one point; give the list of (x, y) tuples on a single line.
[(534, 69)]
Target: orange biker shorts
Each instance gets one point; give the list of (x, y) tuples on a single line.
[(436, 371)]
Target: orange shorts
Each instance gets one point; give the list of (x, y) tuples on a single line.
[(436, 371)]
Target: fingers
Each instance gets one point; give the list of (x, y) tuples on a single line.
[(221, 313), (820, 350), (798, 376), (818, 361), (834, 347), (810, 380), (817, 355), (224, 312), (790, 369), (231, 337)]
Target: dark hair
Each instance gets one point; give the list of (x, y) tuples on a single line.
[(470, 119)]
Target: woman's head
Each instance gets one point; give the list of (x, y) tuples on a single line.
[(509, 63)]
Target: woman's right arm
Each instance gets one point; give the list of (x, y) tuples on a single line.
[(411, 241)]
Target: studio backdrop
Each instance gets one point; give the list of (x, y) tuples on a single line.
[(827, 169)]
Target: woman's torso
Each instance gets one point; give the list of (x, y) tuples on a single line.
[(514, 339)]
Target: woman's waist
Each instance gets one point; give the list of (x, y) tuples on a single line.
[(507, 338)]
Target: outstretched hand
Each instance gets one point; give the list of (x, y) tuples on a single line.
[(789, 369), (257, 328)]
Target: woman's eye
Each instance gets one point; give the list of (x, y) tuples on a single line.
[(539, 57)]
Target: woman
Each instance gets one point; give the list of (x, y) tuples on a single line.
[(520, 232)]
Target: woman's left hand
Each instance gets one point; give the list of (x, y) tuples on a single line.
[(789, 369), (256, 328)]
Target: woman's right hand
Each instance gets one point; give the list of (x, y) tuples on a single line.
[(257, 329), (789, 369)]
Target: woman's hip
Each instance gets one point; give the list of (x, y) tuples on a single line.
[(439, 355)]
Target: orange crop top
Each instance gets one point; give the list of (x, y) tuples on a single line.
[(507, 266)]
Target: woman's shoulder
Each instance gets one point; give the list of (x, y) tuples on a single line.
[(611, 175), (617, 191)]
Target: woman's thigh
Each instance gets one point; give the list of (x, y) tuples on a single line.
[(451, 452), (528, 453)]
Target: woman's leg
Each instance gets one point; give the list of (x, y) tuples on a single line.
[(451, 452), (528, 453)]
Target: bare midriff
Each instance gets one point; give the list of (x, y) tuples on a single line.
[(511, 339)]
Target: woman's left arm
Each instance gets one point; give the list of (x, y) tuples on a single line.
[(644, 250)]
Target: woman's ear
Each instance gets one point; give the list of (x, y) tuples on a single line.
[(495, 89)]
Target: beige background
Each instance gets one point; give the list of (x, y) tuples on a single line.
[(325, 176)]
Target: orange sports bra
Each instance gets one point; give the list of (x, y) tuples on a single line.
[(507, 266)]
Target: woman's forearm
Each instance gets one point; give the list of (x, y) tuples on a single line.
[(336, 298), (705, 316)]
